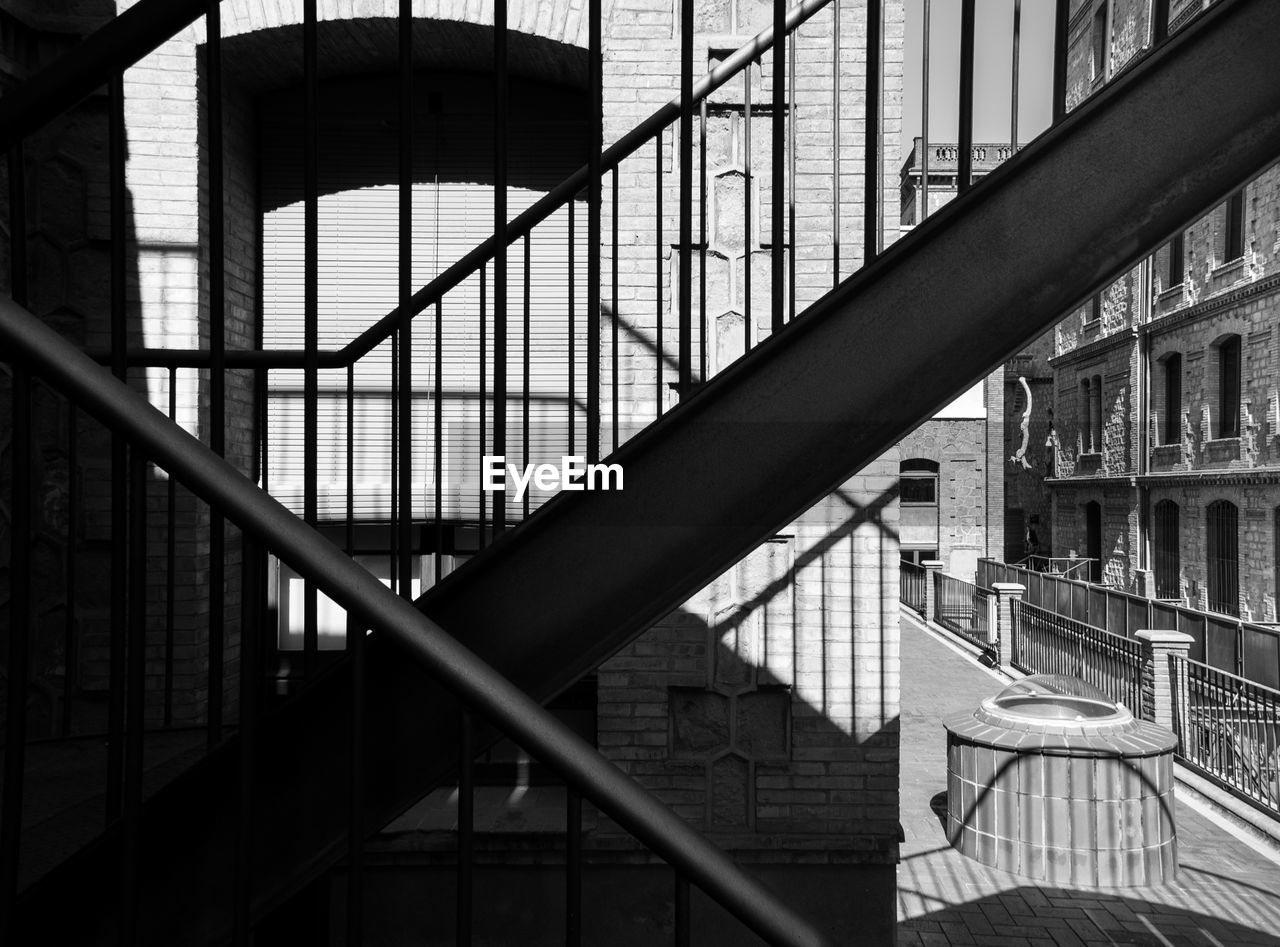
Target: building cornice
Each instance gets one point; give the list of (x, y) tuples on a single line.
[(1251, 476), (1212, 305), (1097, 480), (1095, 348)]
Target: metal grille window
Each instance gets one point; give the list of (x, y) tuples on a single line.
[(1229, 387), (1223, 561), (1168, 560), (1172, 432)]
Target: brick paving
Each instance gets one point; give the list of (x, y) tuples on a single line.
[(1226, 892)]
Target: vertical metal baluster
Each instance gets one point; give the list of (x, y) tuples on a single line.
[(572, 341), (171, 562), (923, 211), (135, 697), (252, 608), (964, 160), (686, 194), (657, 269), (19, 618), (311, 300), (466, 823), (217, 360), (595, 84), (524, 363), (682, 910), (1014, 77), (779, 132), (871, 154), (405, 430), (438, 438), (791, 176), (613, 309), (573, 868), (500, 255), (249, 678), (349, 537), (748, 227), (1061, 33), (119, 452), (393, 538), (835, 142), (70, 659), (702, 240), (355, 809), (484, 366)]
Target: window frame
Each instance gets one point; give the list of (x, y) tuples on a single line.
[(1233, 228), (1222, 571), (1171, 423), (1230, 385)]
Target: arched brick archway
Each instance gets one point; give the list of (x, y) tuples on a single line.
[(562, 21)]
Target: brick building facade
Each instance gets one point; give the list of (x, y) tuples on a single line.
[(1166, 407)]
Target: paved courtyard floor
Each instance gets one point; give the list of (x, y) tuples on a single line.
[(1227, 892)]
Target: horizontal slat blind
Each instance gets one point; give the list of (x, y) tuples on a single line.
[(358, 248)]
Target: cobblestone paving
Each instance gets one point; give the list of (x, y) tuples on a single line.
[(1226, 893)]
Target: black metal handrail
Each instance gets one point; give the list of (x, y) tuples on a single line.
[(964, 609), (1229, 729), (34, 347), (1046, 643)]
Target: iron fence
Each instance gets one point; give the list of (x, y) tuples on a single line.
[(1247, 649), (1045, 642), (964, 608), (1229, 729), (911, 585)]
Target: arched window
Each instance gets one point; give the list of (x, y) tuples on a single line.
[(1223, 557), (1166, 554)]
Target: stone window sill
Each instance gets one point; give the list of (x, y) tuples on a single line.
[(1228, 271)]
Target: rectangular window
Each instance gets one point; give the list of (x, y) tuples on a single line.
[(1172, 433), (1233, 239), (1229, 387), (1176, 272), (1095, 308), (1099, 41), (919, 490)]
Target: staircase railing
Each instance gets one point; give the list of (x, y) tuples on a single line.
[(35, 353)]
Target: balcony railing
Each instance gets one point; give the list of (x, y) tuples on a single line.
[(1047, 643), (1229, 729), (911, 585), (965, 609)]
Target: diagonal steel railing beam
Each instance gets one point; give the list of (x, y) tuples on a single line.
[(56, 361), (104, 53), (789, 422)]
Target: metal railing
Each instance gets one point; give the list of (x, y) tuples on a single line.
[(596, 345), (37, 354), (912, 579), (1044, 642), (1246, 649), (965, 609), (1229, 729)]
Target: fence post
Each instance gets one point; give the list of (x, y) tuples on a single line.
[(1159, 690), (931, 568), (1006, 593)]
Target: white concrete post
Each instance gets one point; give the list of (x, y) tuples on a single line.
[(1164, 683), (1006, 593)]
